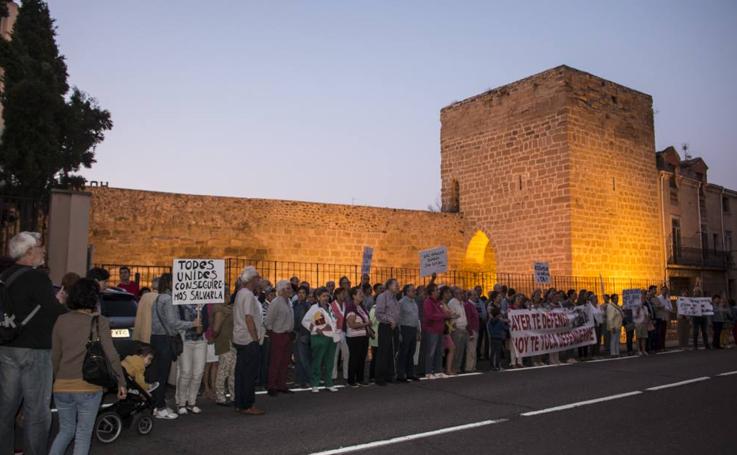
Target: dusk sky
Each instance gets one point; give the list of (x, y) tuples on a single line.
[(339, 101)]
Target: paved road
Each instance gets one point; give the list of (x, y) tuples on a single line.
[(489, 408)]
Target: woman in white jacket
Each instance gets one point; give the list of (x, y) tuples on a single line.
[(323, 338)]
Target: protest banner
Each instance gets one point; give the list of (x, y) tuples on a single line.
[(198, 281), (368, 256), (695, 306), (631, 298), (537, 332), (542, 273), (434, 260)]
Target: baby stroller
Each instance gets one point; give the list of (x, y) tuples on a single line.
[(134, 411)]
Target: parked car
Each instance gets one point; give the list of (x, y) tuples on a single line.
[(119, 307)]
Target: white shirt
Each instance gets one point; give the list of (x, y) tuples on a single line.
[(456, 307), (246, 304)]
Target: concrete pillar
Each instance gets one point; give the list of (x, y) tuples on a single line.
[(69, 213)]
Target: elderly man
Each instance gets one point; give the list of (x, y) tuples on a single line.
[(248, 334), (25, 355), (387, 313), (279, 325)]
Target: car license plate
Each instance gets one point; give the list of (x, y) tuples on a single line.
[(120, 333)]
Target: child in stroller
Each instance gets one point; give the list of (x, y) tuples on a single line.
[(137, 408)]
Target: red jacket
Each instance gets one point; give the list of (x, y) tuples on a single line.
[(472, 315), (338, 314), (433, 316)]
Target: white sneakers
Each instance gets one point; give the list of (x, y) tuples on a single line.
[(194, 409), (315, 390), (182, 411), (333, 389), (165, 413)]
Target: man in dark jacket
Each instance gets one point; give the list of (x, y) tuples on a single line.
[(25, 361)]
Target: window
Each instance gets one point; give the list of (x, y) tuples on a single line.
[(728, 240), (704, 241), (716, 243), (676, 238), (725, 204)]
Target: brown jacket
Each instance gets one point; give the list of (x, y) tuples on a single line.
[(68, 349)]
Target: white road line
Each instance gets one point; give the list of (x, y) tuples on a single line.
[(727, 373), (303, 389), (610, 359), (411, 437), (512, 370), (580, 403), (669, 352), (475, 373), (676, 384)]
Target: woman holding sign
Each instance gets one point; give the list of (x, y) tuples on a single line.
[(323, 338)]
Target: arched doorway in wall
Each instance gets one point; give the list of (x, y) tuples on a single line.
[(480, 257)]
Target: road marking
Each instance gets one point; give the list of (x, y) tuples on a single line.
[(475, 373), (580, 403), (512, 370), (669, 352), (609, 359), (727, 373), (676, 384), (303, 389), (411, 437)]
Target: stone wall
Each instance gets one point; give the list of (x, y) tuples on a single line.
[(615, 212), (557, 167), (505, 165), (144, 227)]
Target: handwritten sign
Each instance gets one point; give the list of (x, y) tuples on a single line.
[(695, 306), (631, 298), (537, 332), (368, 256), (542, 273), (198, 281), (434, 260)]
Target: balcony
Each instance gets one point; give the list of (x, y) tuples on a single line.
[(697, 257)]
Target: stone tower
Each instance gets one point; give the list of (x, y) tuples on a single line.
[(557, 167)]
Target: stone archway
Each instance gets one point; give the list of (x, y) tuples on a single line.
[(480, 255)]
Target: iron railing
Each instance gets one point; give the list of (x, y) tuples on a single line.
[(317, 274)]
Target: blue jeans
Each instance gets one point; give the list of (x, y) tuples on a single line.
[(25, 376), (302, 359), (247, 362), (433, 352), (77, 412)]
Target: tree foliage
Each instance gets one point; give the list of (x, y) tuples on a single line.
[(51, 130)]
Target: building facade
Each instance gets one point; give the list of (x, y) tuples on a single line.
[(699, 223)]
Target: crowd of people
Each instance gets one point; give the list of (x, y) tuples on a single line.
[(367, 334)]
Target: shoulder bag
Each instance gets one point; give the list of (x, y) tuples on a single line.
[(175, 341), (96, 367)]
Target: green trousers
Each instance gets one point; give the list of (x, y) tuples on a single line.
[(323, 356)]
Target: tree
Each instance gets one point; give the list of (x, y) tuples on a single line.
[(51, 131)]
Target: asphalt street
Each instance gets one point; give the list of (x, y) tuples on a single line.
[(599, 406)]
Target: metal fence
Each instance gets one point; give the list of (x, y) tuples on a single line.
[(317, 274)]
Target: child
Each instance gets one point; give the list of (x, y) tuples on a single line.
[(497, 334), (135, 365)]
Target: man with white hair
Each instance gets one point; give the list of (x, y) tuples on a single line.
[(279, 326), (29, 311), (248, 334)]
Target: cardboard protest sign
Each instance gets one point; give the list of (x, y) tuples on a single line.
[(198, 281), (542, 273), (695, 306), (631, 298), (537, 332), (434, 260), (368, 255)]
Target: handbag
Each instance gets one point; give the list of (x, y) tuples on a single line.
[(175, 341), (96, 367)]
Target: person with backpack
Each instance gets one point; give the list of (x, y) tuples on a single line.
[(28, 311), (76, 399)]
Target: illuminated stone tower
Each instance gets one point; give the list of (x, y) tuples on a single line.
[(557, 167)]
